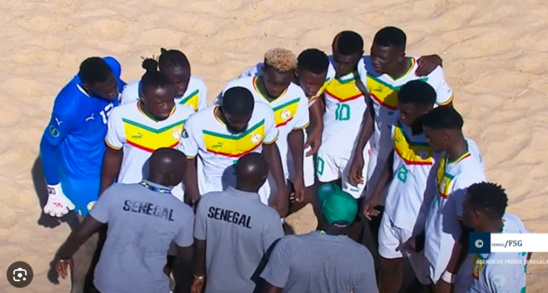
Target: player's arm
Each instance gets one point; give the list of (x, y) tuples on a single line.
[(63, 118), (276, 271), (366, 131), (112, 160), (189, 146), (295, 140), (269, 288), (368, 208), (98, 216), (296, 146), (315, 129), (200, 244), (444, 93)]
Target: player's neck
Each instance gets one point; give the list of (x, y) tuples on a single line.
[(157, 179), (331, 230), (262, 89), (246, 188), (401, 69), (458, 148)]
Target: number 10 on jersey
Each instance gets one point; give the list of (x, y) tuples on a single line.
[(342, 112)]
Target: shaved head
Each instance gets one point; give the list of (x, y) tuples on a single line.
[(251, 172), (165, 165)]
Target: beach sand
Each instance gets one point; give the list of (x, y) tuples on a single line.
[(495, 58)]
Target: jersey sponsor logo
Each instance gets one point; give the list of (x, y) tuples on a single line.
[(235, 145), (149, 138), (147, 208), (53, 131), (229, 216)]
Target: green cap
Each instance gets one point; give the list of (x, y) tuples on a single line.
[(338, 207)]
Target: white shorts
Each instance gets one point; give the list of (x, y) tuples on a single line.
[(391, 241), (308, 169), (330, 168)]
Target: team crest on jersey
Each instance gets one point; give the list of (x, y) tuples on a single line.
[(176, 133), (256, 137), (90, 205), (285, 115), (53, 131)]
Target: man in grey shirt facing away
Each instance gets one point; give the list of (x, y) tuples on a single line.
[(233, 232), (325, 260), (143, 220)]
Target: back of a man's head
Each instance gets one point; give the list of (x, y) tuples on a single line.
[(251, 172)]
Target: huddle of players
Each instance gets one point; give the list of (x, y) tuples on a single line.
[(384, 120)]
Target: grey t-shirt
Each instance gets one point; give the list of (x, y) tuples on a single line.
[(238, 230), (141, 226), (316, 262)]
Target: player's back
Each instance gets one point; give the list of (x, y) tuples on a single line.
[(326, 263), (81, 150), (239, 229)]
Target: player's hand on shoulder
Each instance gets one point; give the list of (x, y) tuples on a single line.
[(58, 204), (427, 64)]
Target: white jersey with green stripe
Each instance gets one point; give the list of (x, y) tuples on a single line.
[(344, 108), (195, 95), (500, 272), (290, 110), (383, 90)]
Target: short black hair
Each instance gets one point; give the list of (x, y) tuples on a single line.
[(238, 101), (313, 60), (489, 198), (154, 79), (443, 118), (390, 36), (167, 59), (349, 43), (94, 70), (417, 92)]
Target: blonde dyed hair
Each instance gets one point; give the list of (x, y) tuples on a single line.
[(280, 59)]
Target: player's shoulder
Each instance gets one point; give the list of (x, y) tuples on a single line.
[(184, 110), (124, 110), (262, 109), (513, 224), (256, 69), (296, 91), (246, 81), (198, 119), (196, 82), (132, 86)]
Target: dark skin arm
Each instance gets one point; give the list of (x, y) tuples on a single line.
[(296, 147), (316, 126), (369, 206), (272, 156), (74, 241), (199, 265), (366, 131), (190, 180), (269, 288), (460, 248), (112, 161)]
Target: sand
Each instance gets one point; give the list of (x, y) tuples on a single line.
[(495, 57)]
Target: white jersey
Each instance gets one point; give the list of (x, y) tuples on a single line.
[(509, 275), (195, 95), (413, 161), (290, 112), (138, 136), (257, 70), (207, 137), (344, 109), (383, 91), (442, 222)]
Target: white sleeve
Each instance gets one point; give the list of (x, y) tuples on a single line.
[(116, 135), (253, 71), (202, 98), (270, 129), (130, 93), (444, 94), (302, 117), (189, 143)]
